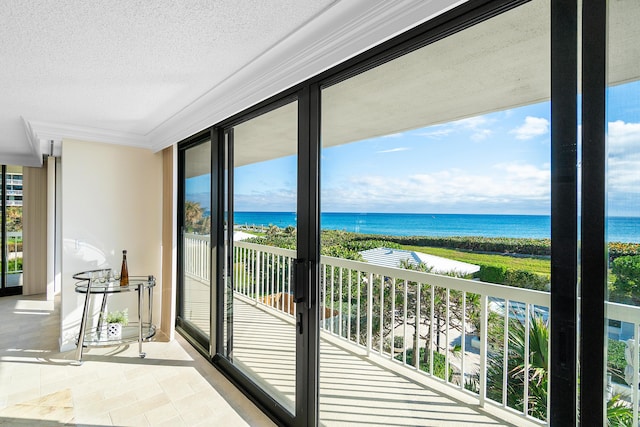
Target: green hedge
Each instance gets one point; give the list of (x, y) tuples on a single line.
[(617, 249), (479, 244), (616, 361), (517, 278)]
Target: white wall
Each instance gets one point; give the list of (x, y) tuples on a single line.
[(111, 200)]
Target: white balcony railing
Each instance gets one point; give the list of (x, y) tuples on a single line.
[(461, 324), (196, 256)]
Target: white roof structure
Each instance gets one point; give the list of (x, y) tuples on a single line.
[(241, 235), (393, 257)]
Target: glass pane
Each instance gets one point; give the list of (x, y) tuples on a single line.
[(13, 208), (436, 170), (260, 312), (623, 211), (196, 235)]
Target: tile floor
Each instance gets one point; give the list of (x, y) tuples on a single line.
[(172, 386)]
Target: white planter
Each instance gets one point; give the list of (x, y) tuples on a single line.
[(114, 331)]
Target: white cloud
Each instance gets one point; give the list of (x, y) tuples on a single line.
[(623, 138), (481, 134), (532, 127), (502, 189), (471, 122), (476, 125), (623, 163), (437, 133), (394, 135), (393, 150)]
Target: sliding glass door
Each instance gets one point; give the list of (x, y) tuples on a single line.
[(450, 156), (194, 299), (261, 317)]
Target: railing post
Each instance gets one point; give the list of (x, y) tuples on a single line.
[(446, 344), (505, 358), (256, 272), (393, 316), (349, 305), (636, 369), (463, 347), (432, 322), (333, 318), (369, 313), (416, 352), (340, 278), (323, 307), (484, 306), (358, 306), (382, 280), (404, 322)]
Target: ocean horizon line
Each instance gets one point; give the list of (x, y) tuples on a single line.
[(422, 213), (533, 226)]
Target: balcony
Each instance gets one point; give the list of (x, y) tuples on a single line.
[(369, 336)]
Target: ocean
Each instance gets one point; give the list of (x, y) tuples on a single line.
[(619, 229)]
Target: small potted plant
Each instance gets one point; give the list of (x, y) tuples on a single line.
[(115, 321)]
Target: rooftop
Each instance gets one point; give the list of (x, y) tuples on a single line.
[(386, 257)]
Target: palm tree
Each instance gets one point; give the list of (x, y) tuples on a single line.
[(619, 413), (538, 368), (192, 215)]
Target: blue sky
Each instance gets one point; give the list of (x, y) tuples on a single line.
[(497, 163)]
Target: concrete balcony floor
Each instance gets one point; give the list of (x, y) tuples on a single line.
[(355, 389), (173, 386)]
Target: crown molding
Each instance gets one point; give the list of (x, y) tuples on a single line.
[(35, 157), (28, 160), (45, 131), (342, 31)]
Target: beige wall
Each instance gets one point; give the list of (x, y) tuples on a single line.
[(111, 200), (34, 218)]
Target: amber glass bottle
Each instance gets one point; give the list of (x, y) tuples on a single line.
[(124, 270)]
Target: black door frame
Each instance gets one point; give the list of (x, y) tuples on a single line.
[(304, 306), (194, 335)]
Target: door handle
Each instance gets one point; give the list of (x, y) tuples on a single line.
[(302, 274), (298, 275), (299, 323)]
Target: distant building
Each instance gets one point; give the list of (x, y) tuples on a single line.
[(13, 194), (394, 257)]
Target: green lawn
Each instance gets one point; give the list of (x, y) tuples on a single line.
[(536, 265)]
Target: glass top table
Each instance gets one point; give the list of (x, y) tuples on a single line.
[(102, 282)]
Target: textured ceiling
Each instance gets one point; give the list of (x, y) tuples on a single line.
[(127, 65), (150, 73)]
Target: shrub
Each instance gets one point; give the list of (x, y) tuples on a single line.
[(517, 278), (492, 273), (14, 265), (618, 249), (526, 279), (439, 361), (616, 361), (626, 286)]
